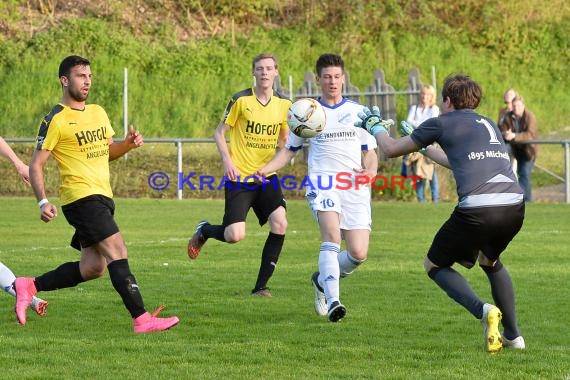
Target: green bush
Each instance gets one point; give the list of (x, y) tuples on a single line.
[(180, 88), (186, 58)]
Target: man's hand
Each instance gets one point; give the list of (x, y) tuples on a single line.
[(230, 170), (372, 121), (260, 176), (509, 135), (364, 172), (48, 212), (134, 138), (24, 172)]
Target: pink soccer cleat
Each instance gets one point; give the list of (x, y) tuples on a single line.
[(148, 323), (25, 290)]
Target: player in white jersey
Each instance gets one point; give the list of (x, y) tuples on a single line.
[(341, 160), (7, 277)]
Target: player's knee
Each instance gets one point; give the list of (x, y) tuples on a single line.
[(491, 267), (359, 255), (278, 221), (485, 261), (234, 232), (279, 227), (122, 253), (430, 268), (234, 236)]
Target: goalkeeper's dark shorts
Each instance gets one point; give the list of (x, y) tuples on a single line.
[(93, 220), (262, 198), (467, 232)]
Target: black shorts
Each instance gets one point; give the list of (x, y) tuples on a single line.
[(264, 199), (468, 231), (92, 218)]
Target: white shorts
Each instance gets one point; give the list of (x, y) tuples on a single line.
[(353, 206)]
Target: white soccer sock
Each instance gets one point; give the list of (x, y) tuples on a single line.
[(7, 278), (329, 271), (347, 263)]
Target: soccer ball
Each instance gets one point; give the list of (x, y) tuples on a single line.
[(306, 118)]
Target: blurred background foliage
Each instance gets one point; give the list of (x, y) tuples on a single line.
[(185, 58)]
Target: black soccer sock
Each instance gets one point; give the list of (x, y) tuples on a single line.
[(126, 285), (269, 257), (504, 297), (214, 231), (457, 288), (67, 275)]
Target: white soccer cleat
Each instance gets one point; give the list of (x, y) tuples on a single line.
[(320, 300), (517, 343)]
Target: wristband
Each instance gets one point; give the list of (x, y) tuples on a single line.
[(42, 203)]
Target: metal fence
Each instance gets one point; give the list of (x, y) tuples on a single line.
[(179, 142), (379, 92)]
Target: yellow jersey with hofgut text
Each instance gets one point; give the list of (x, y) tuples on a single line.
[(79, 142), (254, 130)]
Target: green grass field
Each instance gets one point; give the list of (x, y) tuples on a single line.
[(399, 324)]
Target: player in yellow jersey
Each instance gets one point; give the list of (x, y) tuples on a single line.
[(80, 138), (256, 119)]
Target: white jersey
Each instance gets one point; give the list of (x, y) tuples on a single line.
[(338, 148), (333, 157)]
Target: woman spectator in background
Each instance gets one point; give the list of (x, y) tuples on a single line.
[(416, 163)]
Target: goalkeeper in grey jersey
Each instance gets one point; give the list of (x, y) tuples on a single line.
[(490, 211)]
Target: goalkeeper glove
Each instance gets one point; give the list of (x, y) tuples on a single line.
[(405, 128), (373, 122)]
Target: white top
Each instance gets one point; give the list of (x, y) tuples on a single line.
[(338, 148), (418, 114)]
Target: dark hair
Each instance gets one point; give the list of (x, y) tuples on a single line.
[(462, 91), (261, 56), (69, 62), (329, 60)]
